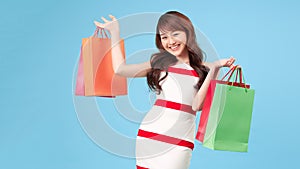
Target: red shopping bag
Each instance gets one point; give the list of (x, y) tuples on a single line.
[(209, 98), (95, 71)]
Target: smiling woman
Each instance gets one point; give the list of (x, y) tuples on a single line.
[(180, 78)]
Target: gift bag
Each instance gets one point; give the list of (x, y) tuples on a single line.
[(99, 77), (209, 97), (79, 90), (228, 125)]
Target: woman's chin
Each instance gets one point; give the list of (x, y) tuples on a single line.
[(175, 53)]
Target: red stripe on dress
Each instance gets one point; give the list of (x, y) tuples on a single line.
[(165, 138), (139, 167), (183, 71), (174, 105)]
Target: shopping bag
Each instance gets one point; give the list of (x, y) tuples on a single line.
[(99, 77), (79, 90), (209, 97), (229, 121)]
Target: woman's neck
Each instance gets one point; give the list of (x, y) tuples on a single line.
[(184, 57)]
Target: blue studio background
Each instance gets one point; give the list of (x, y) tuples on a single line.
[(39, 50)]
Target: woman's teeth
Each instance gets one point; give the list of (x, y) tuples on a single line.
[(174, 47)]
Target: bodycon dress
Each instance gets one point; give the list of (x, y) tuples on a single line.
[(165, 138)]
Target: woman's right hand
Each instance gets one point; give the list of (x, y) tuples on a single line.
[(112, 26)]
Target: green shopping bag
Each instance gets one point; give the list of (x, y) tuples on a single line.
[(229, 121)]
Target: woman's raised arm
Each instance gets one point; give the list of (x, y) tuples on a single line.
[(119, 65)]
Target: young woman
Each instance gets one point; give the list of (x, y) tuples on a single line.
[(180, 78)]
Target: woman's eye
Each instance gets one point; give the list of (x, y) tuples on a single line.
[(175, 34), (163, 37)]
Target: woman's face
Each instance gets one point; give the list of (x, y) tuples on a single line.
[(174, 42)]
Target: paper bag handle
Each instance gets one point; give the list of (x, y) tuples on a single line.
[(100, 32), (231, 71)]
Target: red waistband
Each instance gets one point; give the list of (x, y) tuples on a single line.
[(139, 167), (174, 105), (165, 138)]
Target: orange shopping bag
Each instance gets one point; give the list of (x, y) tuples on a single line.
[(99, 77)]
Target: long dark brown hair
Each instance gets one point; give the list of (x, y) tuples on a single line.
[(174, 21)]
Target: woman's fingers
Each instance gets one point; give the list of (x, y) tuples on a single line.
[(104, 19), (109, 24), (232, 59), (98, 24), (230, 62), (112, 17), (106, 22)]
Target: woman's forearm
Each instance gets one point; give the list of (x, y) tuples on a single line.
[(119, 65), (212, 74), (117, 55), (201, 94)]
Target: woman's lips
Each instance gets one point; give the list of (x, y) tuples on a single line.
[(175, 47)]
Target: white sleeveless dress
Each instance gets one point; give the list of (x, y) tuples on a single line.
[(166, 135)]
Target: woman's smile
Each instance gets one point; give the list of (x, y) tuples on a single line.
[(175, 47)]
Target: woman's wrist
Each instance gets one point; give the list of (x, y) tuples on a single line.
[(115, 36), (216, 65), (115, 32)]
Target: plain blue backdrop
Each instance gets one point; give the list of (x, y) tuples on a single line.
[(39, 49)]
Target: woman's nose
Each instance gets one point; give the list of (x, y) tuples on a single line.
[(171, 41)]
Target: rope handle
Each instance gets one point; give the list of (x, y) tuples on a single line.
[(241, 78), (237, 70), (100, 32), (231, 71)]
